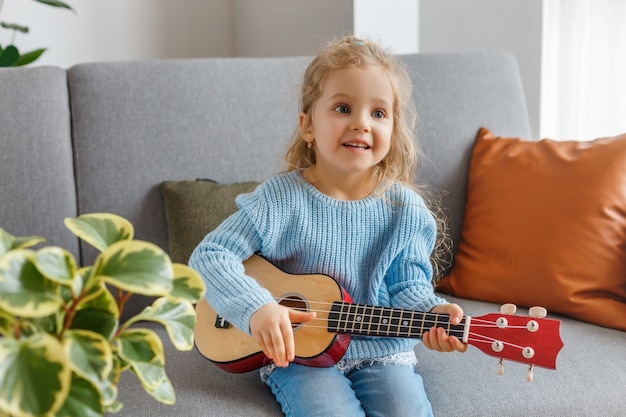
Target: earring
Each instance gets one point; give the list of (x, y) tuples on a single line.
[(309, 145)]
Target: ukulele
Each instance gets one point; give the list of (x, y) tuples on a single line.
[(323, 341)]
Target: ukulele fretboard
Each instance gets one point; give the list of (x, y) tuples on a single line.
[(366, 320)]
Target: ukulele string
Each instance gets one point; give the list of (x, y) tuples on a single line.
[(479, 338), (363, 321)]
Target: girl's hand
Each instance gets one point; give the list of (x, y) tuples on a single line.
[(437, 339), (271, 327)]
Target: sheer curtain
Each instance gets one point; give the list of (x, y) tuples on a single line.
[(583, 82)]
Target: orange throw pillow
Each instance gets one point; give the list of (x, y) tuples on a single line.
[(545, 224)]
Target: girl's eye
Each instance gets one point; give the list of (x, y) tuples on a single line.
[(342, 108), (378, 114)]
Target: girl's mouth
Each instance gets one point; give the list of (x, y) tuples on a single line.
[(356, 145)]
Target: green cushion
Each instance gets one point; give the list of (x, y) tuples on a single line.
[(194, 208)]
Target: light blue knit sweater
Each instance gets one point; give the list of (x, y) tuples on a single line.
[(377, 248)]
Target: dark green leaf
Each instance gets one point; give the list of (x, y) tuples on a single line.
[(55, 3), (99, 321), (9, 56), (13, 26), (29, 57)]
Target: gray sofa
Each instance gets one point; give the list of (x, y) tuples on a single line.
[(101, 137)]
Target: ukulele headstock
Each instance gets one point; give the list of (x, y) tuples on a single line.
[(534, 340)]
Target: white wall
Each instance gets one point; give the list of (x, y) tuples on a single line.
[(287, 27), (300, 27), (508, 25), (392, 23), (113, 30)]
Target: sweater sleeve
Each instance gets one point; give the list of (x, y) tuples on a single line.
[(218, 259), (409, 279)]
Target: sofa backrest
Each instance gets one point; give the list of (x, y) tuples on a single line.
[(455, 95), (37, 189), (136, 124)]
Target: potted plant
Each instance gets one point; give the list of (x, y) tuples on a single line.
[(10, 56), (63, 344)]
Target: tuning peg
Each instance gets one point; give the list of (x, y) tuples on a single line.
[(508, 309), (537, 312), (500, 367), (530, 374)]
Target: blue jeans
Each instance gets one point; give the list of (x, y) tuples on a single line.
[(377, 390)]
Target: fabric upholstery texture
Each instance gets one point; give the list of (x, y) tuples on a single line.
[(545, 224), (194, 208), (37, 189)]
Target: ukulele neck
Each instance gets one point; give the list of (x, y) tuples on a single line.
[(366, 320)]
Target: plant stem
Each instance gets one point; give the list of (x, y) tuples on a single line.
[(17, 332), (70, 312), (121, 300)]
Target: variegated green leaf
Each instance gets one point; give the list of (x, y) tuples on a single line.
[(22, 242), (143, 350), (9, 242), (101, 300), (24, 291), (188, 285), (164, 393), (113, 408), (6, 241), (136, 266), (5, 323), (100, 229), (35, 375), (87, 285), (89, 354), (178, 318), (150, 374), (83, 400), (108, 391), (56, 264)]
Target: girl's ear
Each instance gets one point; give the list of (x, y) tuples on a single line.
[(306, 130)]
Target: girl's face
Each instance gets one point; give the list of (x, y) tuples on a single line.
[(352, 121)]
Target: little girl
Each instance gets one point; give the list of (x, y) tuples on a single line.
[(347, 208)]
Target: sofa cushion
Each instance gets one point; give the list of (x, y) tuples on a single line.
[(545, 224), (194, 208)]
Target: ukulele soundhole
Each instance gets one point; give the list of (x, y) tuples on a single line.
[(296, 302)]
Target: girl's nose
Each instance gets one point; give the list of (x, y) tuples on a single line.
[(360, 122)]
